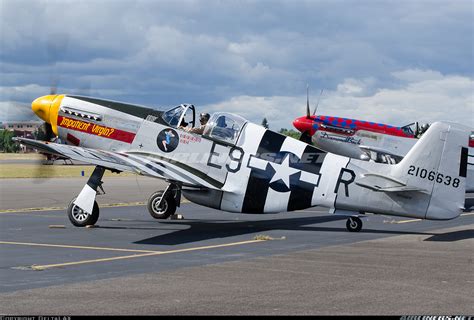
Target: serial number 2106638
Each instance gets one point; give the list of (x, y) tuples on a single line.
[(433, 176)]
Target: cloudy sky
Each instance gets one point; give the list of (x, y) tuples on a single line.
[(388, 61)]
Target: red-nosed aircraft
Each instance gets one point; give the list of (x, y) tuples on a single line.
[(231, 164), (366, 140)]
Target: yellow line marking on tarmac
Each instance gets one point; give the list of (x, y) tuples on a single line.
[(50, 266), (105, 205), (75, 247), (408, 221), (28, 210), (415, 220), (156, 253)]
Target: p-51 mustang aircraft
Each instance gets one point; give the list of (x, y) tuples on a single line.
[(239, 166), (366, 140)]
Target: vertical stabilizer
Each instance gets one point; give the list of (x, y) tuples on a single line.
[(437, 164)]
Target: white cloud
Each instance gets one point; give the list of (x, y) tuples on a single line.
[(416, 75), (356, 87), (277, 109), (18, 93), (14, 111)]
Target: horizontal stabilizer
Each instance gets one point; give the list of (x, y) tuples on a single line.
[(381, 183)]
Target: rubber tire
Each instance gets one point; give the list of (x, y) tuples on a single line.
[(89, 221), (168, 203), (354, 224)]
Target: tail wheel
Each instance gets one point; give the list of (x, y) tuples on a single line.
[(79, 217), (162, 210), (354, 224)]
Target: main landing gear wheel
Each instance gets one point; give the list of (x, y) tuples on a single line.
[(162, 210), (354, 224), (79, 217)]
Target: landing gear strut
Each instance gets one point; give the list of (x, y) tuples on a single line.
[(162, 204), (354, 224)]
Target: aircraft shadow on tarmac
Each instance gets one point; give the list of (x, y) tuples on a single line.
[(452, 236), (200, 230)]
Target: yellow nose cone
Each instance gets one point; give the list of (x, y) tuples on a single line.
[(46, 107), (41, 107)]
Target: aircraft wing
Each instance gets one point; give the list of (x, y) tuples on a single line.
[(118, 161), (381, 183)]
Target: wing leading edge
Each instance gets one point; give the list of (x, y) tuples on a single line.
[(116, 161)]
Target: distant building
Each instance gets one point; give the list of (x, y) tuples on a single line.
[(23, 129)]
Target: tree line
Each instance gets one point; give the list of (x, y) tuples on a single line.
[(287, 132), (6, 142)]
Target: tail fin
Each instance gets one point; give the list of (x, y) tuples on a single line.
[(437, 163)]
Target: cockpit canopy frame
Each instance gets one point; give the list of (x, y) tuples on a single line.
[(224, 127)]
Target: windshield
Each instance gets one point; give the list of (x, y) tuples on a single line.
[(409, 128), (172, 116)]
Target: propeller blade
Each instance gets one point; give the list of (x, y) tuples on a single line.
[(317, 104), (308, 113), (45, 132), (305, 137), (44, 168), (48, 131), (54, 80)]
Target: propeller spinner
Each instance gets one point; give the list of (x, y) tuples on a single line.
[(46, 108)]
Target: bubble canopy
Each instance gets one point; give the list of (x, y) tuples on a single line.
[(222, 126), (225, 127)]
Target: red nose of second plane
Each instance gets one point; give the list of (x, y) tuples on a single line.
[(302, 124)]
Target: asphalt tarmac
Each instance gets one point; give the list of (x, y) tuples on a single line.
[(217, 263), (58, 192)]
